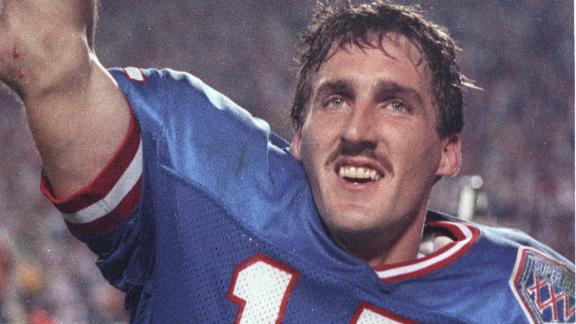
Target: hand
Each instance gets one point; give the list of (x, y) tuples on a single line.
[(41, 40)]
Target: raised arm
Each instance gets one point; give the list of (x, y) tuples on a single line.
[(76, 113)]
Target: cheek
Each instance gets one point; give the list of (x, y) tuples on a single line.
[(422, 158), (309, 148), (315, 136), (413, 148), (316, 144)]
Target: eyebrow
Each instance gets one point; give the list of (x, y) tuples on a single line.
[(342, 87), (387, 89)]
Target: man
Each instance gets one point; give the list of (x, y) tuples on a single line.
[(376, 135), (201, 214)]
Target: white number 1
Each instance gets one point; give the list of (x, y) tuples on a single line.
[(261, 287)]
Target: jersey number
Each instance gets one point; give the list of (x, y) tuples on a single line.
[(261, 287)]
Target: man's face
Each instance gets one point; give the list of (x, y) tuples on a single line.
[(369, 143)]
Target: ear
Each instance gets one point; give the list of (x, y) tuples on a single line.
[(295, 145), (451, 156)]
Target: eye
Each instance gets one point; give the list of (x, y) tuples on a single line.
[(335, 102), (398, 106)]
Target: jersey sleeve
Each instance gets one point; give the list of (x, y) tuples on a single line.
[(203, 138), (182, 128), (107, 202), (106, 216)]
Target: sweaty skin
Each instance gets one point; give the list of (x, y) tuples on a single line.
[(371, 151)]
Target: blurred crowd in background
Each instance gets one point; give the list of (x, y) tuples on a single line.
[(519, 133)]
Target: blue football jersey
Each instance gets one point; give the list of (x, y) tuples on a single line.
[(203, 216)]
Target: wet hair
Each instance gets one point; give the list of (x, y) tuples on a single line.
[(355, 25), (91, 18)]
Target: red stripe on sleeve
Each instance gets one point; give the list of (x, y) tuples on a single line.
[(113, 219), (105, 180)]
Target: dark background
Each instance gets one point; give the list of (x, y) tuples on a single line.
[(519, 133)]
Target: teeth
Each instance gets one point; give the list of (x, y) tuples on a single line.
[(358, 173)]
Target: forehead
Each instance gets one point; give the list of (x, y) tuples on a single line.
[(392, 58)]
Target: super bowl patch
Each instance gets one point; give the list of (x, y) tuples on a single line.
[(544, 287)]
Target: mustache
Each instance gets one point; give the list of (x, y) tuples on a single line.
[(360, 148)]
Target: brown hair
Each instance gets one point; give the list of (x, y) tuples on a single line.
[(354, 24), (90, 12)]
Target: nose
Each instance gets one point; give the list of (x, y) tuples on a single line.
[(360, 125)]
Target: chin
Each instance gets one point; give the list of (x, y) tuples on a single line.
[(351, 223)]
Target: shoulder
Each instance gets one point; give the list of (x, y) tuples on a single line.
[(166, 100), (519, 242), (168, 86), (536, 278), (500, 239), (203, 139)]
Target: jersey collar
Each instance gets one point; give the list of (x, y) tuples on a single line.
[(465, 236)]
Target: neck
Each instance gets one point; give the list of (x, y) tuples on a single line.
[(397, 243)]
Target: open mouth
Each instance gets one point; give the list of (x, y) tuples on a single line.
[(358, 174)]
